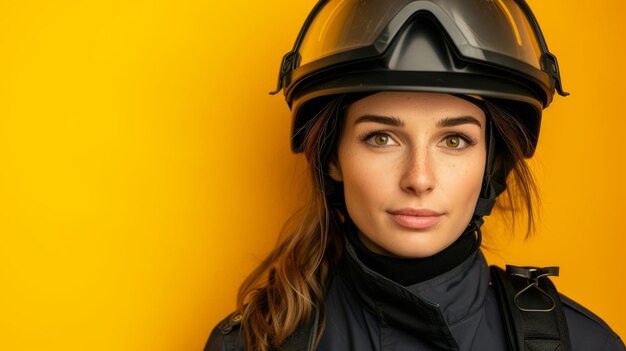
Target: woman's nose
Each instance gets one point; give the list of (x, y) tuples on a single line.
[(417, 176)]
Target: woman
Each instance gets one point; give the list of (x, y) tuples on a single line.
[(414, 117)]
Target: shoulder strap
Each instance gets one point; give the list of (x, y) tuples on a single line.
[(531, 308), (302, 339)]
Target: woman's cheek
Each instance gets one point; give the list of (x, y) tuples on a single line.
[(364, 183), (360, 181), (465, 179)]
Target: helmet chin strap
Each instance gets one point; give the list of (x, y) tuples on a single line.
[(490, 188)]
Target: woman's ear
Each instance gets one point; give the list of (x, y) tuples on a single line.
[(334, 170)]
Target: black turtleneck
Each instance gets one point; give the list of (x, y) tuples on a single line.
[(409, 271)]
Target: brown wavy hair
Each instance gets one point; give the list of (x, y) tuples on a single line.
[(286, 288)]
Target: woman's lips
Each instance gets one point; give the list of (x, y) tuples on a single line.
[(414, 218)]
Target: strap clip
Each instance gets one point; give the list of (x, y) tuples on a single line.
[(532, 275)]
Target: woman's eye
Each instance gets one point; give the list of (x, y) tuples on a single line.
[(380, 140), (455, 142)]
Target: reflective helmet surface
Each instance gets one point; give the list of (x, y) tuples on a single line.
[(491, 48)]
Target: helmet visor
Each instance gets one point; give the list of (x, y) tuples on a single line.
[(478, 28)]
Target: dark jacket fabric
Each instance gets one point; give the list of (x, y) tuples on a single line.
[(456, 310)]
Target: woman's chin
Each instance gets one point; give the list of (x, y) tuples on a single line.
[(413, 244)]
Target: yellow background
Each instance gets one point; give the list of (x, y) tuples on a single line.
[(145, 170)]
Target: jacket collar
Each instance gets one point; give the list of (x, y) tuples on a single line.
[(426, 309)]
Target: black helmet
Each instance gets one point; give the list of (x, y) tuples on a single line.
[(491, 48)]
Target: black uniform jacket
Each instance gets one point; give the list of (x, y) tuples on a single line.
[(456, 310)]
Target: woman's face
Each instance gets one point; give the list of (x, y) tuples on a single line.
[(412, 166)]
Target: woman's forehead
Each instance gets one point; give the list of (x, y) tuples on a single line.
[(405, 104)]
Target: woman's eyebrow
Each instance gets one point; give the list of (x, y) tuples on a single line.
[(456, 121), (392, 121)]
